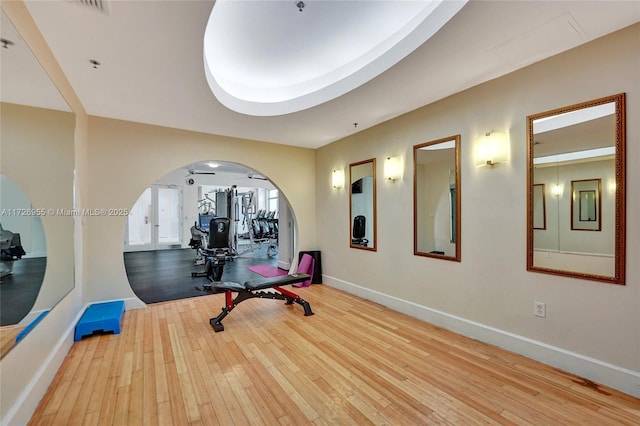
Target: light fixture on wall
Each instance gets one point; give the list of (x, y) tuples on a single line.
[(492, 148), (392, 168), (337, 178), (556, 190), (6, 43)]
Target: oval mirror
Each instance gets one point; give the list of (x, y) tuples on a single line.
[(436, 199), (576, 193), (362, 204)]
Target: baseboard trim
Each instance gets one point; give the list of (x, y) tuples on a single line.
[(31, 395), (616, 377), (284, 265)]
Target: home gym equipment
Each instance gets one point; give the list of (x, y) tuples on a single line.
[(359, 227), (10, 250), (197, 241), (216, 250), (261, 226), (264, 229), (249, 227), (200, 236), (256, 289)]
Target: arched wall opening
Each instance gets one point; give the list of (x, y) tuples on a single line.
[(124, 158), (166, 227)]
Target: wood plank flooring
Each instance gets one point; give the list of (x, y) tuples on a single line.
[(352, 363)]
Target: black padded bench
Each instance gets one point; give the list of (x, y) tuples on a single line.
[(256, 289)]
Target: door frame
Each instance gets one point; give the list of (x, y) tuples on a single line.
[(154, 244)]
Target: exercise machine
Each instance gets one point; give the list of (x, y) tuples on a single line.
[(264, 229), (359, 229), (10, 250), (197, 241), (259, 288), (216, 251)]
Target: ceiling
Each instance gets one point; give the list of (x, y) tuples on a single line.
[(265, 72), (152, 71)]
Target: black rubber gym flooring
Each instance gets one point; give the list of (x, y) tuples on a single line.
[(158, 276), (155, 276), (18, 291)]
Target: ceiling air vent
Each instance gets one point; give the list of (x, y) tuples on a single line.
[(99, 5)]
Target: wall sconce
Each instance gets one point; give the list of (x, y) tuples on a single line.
[(492, 148), (556, 190), (337, 178), (392, 168)]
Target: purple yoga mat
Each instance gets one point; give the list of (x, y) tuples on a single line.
[(305, 267), (267, 270)]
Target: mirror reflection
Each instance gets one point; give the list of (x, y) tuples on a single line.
[(436, 186), (36, 166), (539, 206), (586, 204), (23, 260), (576, 164), (362, 205)]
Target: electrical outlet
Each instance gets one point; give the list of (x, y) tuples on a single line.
[(539, 309)]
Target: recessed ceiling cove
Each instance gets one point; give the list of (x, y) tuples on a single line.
[(275, 57)]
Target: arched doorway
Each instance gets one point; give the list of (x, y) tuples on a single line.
[(158, 239)]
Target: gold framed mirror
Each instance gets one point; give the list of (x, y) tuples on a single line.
[(436, 199), (362, 205), (576, 156)]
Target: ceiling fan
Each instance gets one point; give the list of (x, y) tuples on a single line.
[(254, 176), (192, 171), (251, 175)]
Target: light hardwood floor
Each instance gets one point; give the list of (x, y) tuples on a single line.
[(353, 363)]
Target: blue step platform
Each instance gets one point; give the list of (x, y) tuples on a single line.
[(31, 325), (100, 317)]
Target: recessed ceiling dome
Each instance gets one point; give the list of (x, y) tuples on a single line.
[(275, 57)]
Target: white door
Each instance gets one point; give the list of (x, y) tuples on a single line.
[(154, 221)]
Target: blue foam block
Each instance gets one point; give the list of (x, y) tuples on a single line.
[(32, 324), (104, 317)]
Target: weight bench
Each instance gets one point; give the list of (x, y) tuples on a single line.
[(254, 288)]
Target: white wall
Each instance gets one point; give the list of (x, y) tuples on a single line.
[(591, 328)]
